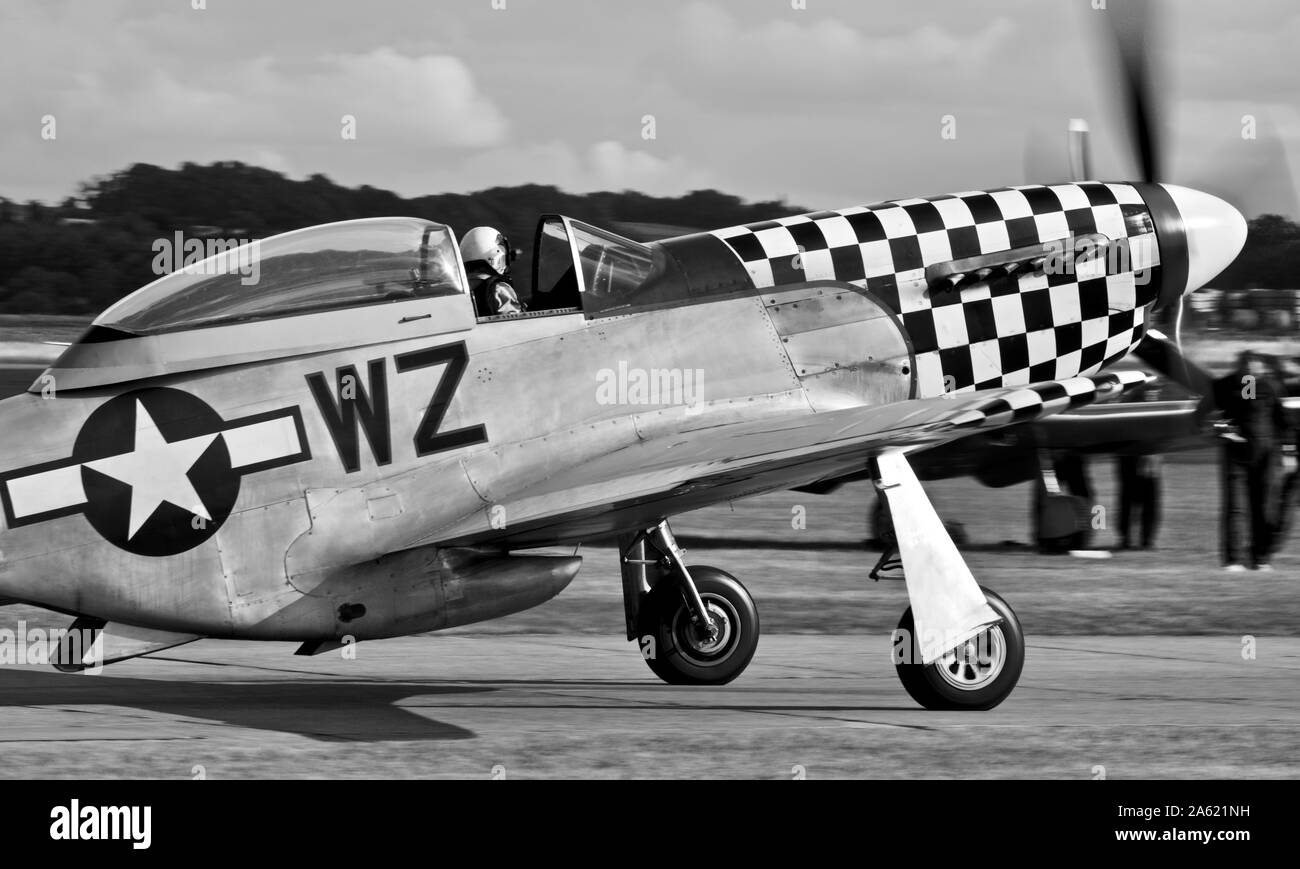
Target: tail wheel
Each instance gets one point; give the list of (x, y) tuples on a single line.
[(979, 674), (677, 651)]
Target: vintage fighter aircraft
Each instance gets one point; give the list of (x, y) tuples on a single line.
[(346, 449)]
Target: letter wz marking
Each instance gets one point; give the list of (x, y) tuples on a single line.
[(427, 437), (356, 405)]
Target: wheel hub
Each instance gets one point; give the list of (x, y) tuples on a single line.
[(705, 646), (708, 640), (976, 662)]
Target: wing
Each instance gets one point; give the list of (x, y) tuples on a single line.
[(1142, 426), (683, 471), (1007, 456)]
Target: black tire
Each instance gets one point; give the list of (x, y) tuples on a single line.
[(665, 634), (1001, 648)]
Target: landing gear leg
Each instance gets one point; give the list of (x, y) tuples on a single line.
[(957, 646), (882, 529), (695, 626)]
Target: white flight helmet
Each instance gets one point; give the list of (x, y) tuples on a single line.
[(486, 244)]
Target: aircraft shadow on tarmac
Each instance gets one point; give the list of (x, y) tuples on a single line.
[(326, 710)]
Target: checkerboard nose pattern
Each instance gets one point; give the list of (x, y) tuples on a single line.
[(1039, 324)]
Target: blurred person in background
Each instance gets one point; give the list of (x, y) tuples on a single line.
[(1139, 499), (1289, 488), (1252, 434)]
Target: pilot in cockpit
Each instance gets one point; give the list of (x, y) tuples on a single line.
[(487, 256)]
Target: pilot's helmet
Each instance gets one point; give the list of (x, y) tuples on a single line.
[(483, 243)]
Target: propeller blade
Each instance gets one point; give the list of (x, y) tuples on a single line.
[(1131, 36), (1166, 357)]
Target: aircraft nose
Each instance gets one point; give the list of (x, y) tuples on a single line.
[(1211, 231)]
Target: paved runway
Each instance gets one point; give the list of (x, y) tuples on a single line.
[(522, 706)]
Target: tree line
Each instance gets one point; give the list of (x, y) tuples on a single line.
[(85, 253)]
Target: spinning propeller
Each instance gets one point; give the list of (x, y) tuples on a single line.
[(1215, 231)]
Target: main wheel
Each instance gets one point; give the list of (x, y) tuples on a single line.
[(979, 674), (677, 652)]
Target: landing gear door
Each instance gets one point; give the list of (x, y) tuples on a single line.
[(557, 278)]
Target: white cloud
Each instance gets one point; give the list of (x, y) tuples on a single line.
[(825, 58), (114, 108), (430, 100), (614, 167), (604, 165)]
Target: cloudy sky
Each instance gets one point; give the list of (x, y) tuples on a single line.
[(839, 102)]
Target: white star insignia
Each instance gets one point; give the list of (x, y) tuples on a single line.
[(157, 471)]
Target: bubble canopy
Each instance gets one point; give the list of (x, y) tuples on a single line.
[(321, 268)]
